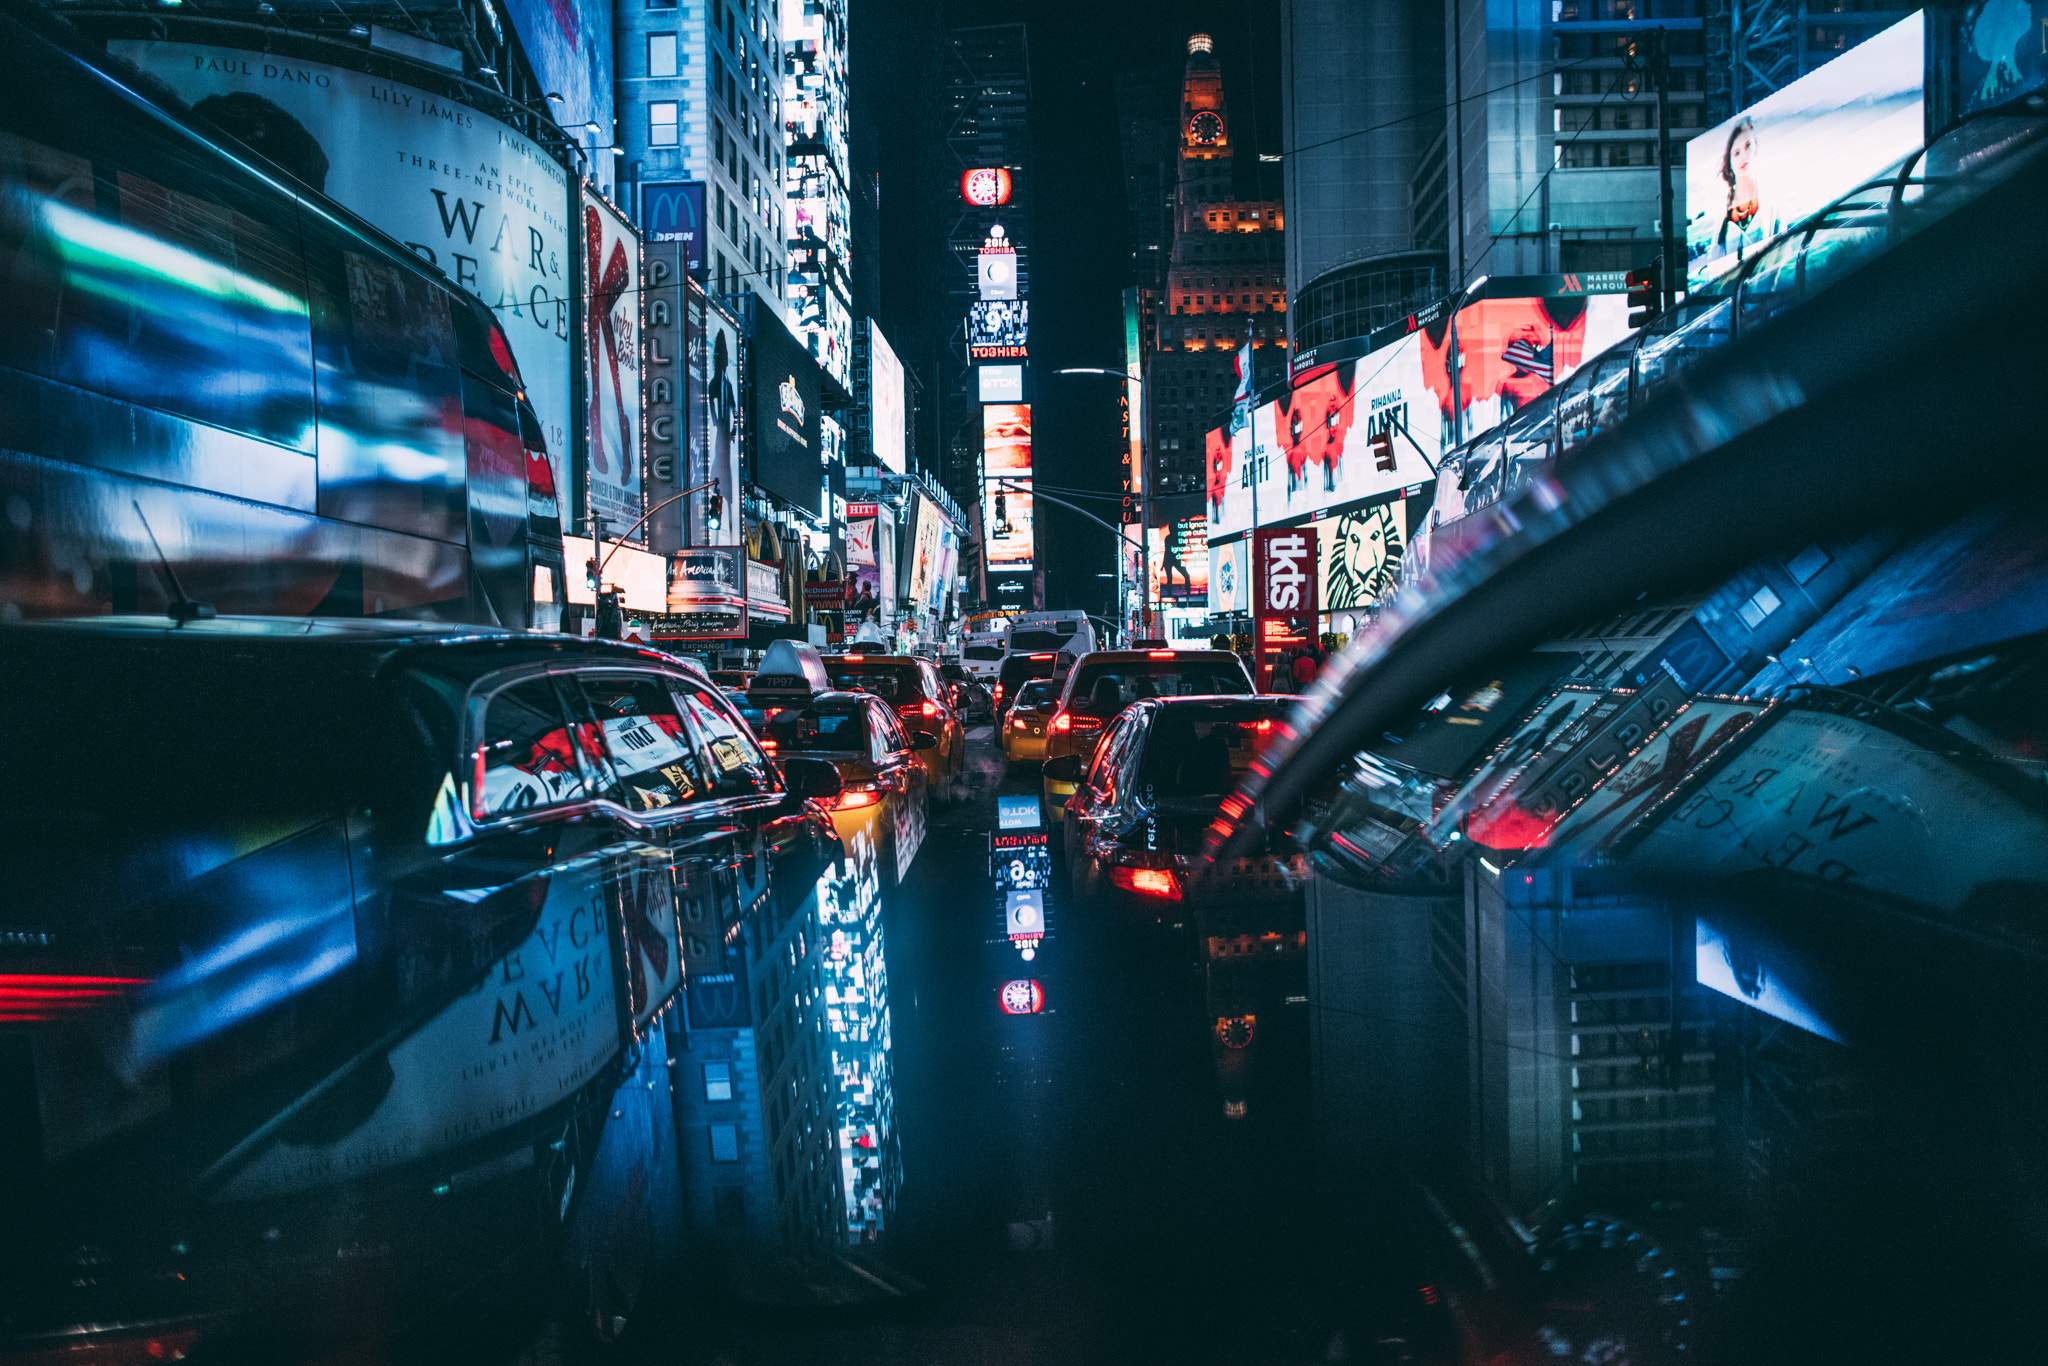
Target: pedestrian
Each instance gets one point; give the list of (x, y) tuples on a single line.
[(1305, 668)]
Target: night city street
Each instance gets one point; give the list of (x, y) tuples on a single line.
[(822, 682)]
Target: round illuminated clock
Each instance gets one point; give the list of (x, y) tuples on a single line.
[(985, 186), (1206, 128)]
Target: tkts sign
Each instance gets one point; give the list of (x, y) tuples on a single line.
[(1286, 572), (1284, 595)]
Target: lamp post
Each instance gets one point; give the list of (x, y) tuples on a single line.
[(598, 562), (1144, 494)]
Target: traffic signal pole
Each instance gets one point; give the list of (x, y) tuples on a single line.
[(1660, 76)]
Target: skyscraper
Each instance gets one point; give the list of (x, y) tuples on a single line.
[(1223, 286)]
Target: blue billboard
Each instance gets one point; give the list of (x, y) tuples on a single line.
[(674, 212)]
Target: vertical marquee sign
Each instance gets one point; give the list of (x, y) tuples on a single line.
[(1284, 577)]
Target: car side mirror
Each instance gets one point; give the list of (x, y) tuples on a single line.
[(923, 739), (1065, 769), (813, 779)]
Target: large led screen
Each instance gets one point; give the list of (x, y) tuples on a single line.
[(1000, 383), (1230, 577), (1511, 350), (353, 124), (1360, 555), (1180, 560), (1006, 455), (885, 401), (997, 329), (1792, 153), (924, 551), (784, 408)]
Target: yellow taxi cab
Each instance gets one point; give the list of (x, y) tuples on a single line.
[(1101, 683), (1021, 736), (911, 686), (884, 790)]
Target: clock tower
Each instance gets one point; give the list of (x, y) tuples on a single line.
[(1205, 150)]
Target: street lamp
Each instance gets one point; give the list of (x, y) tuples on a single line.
[(1144, 493), (713, 515)]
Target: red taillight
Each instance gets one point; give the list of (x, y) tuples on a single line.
[(1262, 726), (853, 659), (1020, 725), (999, 694), (51, 996), (1063, 723), (1146, 881), (1159, 654), (929, 708), (768, 745), (853, 799), (1041, 656)]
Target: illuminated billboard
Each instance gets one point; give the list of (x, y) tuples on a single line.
[(886, 423), (1230, 577), (1006, 512), (784, 411), (997, 329), (1792, 153), (985, 187), (1360, 555), (924, 552), (611, 354), (1180, 560), (1000, 383)]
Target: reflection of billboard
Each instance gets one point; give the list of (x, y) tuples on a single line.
[(1006, 453), (1230, 577), (355, 122), (1361, 555), (1180, 560), (885, 401), (1001, 383), (784, 409), (997, 329), (611, 350), (1790, 154), (2000, 54)]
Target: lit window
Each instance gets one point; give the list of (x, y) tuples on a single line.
[(661, 123), (661, 54), (717, 1081), (725, 1143)]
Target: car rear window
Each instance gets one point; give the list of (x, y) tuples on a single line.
[(826, 730), (1138, 679), (892, 682), (986, 653), (1204, 753), (1017, 669), (1035, 693)]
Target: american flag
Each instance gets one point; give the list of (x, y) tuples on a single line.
[(1526, 356)]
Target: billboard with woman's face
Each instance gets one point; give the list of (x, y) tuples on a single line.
[(1792, 154)]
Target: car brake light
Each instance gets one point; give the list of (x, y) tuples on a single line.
[(1041, 656), (51, 996), (930, 709), (1159, 654), (999, 694), (854, 659), (1263, 726), (768, 745), (1020, 725), (854, 798), (1146, 881)]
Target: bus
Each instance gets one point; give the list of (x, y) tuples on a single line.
[(220, 390), (984, 641), (1063, 632)]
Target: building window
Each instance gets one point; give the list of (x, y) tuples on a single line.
[(661, 123), (725, 1142), (661, 54), (717, 1081), (661, 4)]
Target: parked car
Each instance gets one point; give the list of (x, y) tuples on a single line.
[(1097, 687), (912, 686), (1022, 737), (884, 790), (361, 936), (1134, 833)]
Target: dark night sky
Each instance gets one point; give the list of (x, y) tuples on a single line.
[(1081, 257)]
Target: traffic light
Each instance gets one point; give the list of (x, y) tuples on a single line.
[(714, 510), (1646, 292), (1383, 449), (590, 573)]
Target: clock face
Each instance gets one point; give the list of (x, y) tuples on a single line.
[(1205, 127), (986, 186)]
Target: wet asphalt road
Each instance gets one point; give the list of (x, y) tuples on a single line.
[(1072, 1191)]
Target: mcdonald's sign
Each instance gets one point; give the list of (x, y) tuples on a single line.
[(674, 212)]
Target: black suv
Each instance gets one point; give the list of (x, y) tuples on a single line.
[(337, 959)]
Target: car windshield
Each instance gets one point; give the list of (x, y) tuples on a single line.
[(1113, 686), (987, 654), (825, 728)]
